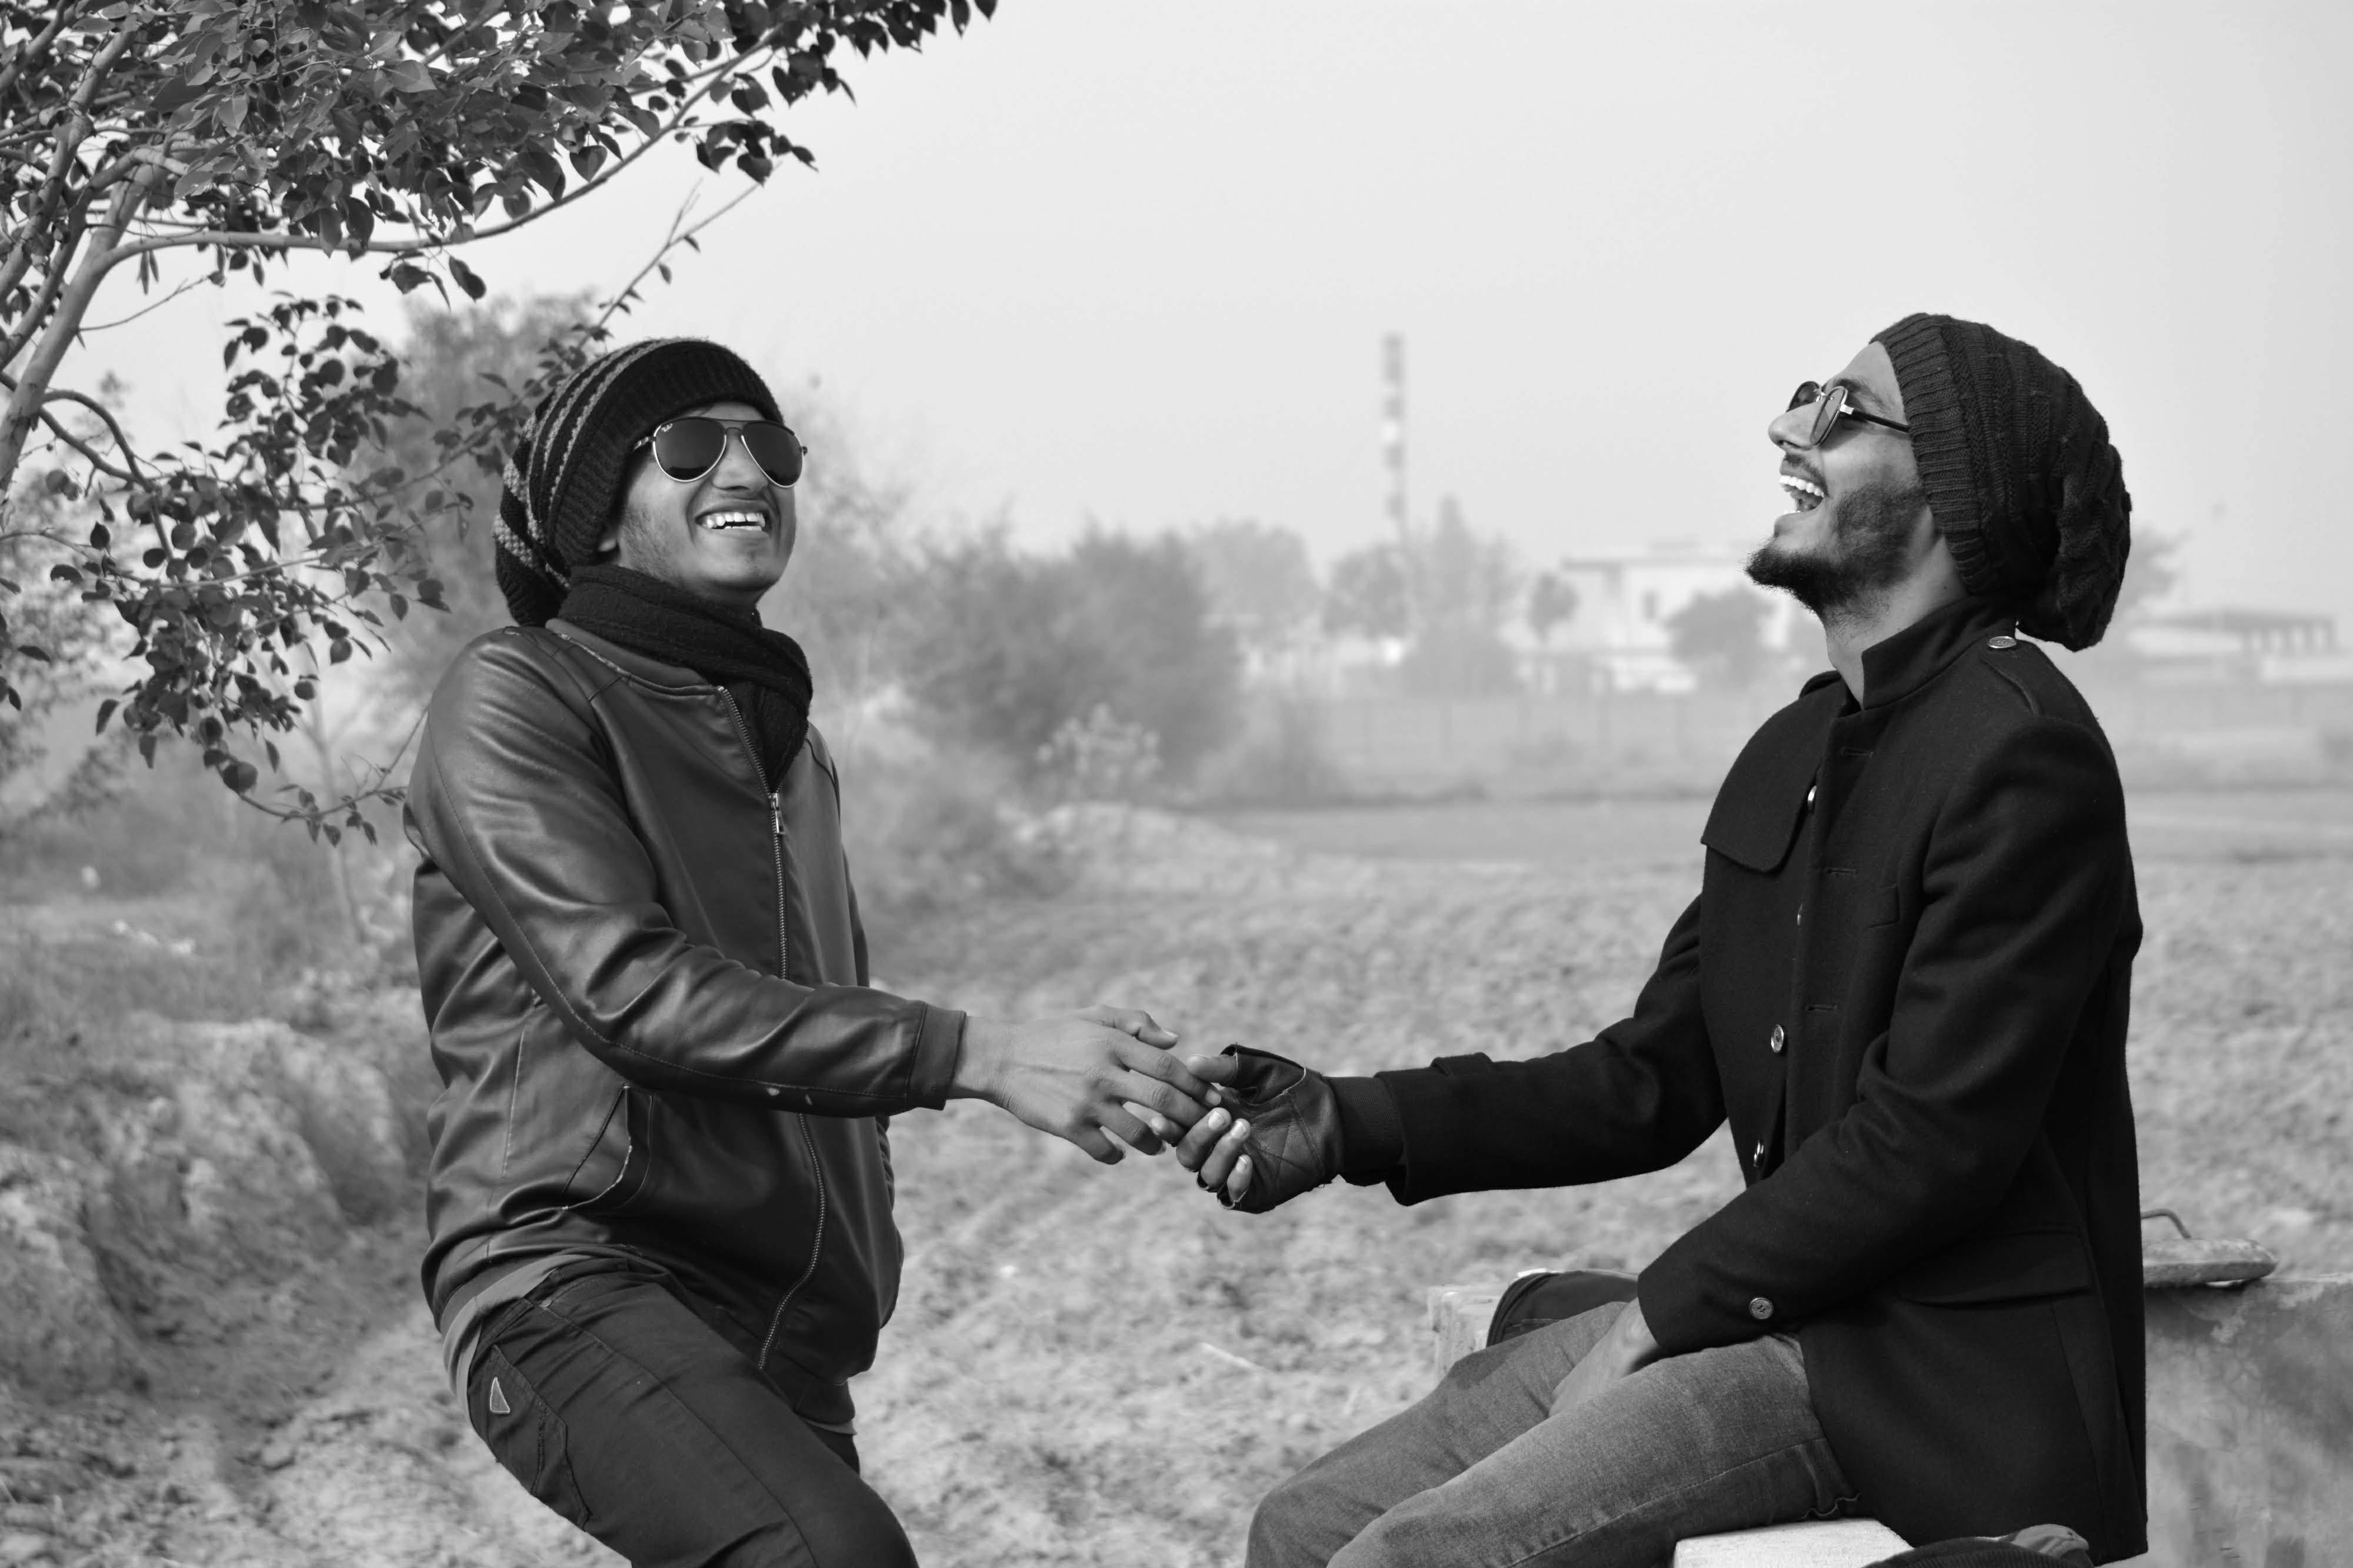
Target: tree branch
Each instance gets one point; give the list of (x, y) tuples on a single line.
[(121, 442), (52, 280), (25, 398), (14, 71), (227, 238), (184, 285)]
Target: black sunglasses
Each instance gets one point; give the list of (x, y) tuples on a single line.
[(689, 447), (1831, 406)]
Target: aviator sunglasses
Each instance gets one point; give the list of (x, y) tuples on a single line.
[(688, 449), (1829, 405)]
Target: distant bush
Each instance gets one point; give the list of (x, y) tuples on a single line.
[(1015, 647), (927, 829), (1281, 759), (269, 898)]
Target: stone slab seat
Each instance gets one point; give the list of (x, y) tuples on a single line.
[(1816, 1544)]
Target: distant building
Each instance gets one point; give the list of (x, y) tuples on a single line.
[(2239, 644), (1617, 637)]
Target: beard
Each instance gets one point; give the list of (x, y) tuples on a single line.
[(1864, 556)]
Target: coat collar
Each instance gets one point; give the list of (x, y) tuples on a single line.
[(1762, 800), (1896, 667)]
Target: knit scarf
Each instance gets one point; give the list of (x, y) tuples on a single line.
[(765, 671)]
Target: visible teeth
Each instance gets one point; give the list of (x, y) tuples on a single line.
[(1805, 492), (715, 520)]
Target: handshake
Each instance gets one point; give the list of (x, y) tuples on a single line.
[(1255, 1129)]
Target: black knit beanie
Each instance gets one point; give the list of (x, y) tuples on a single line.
[(2025, 489), (564, 478)]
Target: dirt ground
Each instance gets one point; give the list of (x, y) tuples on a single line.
[(1099, 1365)]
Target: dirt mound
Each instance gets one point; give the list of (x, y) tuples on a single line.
[(58, 1330), (189, 1159)]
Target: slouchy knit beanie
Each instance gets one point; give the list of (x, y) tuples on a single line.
[(564, 478), (2021, 481)]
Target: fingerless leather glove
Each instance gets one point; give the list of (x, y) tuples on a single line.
[(1295, 1120)]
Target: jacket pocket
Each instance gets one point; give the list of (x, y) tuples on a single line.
[(2012, 1266), (1881, 907), (612, 1170)]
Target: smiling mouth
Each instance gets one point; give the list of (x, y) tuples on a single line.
[(734, 520), (1806, 494)]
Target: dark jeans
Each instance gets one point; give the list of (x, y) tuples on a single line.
[(630, 1416), (1484, 1473)]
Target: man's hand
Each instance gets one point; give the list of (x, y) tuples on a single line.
[(1620, 1354), (1283, 1137), (1083, 1076)]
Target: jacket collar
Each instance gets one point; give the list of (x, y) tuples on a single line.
[(635, 664), (1899, 666)]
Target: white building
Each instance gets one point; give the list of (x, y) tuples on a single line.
[(1617, 637)]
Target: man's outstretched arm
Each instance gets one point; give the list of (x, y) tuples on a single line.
[(1637, 1097), (514, 805)]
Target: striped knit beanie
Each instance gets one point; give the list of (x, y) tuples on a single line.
[(2025, 489), (564, 478)]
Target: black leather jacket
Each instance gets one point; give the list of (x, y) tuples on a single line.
[(645, 981)]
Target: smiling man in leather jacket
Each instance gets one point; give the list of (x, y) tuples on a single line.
[(659, 1201), (1904, 982)]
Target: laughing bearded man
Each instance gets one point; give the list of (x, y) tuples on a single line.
[(1903, 983)]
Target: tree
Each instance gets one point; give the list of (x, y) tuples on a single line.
[(1461, 588), (454, 358), (1258, 579), (1721, 636), (71, 636), (1012, 649), (1367, 595), (236, 132), (1551, 600)]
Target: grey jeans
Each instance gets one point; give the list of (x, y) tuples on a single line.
[(1482, 1474)]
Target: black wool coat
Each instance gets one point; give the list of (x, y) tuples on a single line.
[(1904, 982)]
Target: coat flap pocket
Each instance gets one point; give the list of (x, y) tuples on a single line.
[(1756, 813), (2009, 1265)]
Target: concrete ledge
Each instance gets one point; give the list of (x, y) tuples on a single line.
[(2251, 1423), (2249, 1419), (1818, 1543)]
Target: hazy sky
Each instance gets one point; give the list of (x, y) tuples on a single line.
[(1132, 261)]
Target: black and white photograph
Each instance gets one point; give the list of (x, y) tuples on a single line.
[(1254, 783)]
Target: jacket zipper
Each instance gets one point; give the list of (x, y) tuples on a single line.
[(783, 953)]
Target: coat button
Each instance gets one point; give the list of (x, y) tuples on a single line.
[(1778, 1040), (2005, 640), (1759, 1308), (1758, 1158)]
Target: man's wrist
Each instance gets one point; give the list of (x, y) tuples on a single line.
[(1372, 1133), (979, 1049)]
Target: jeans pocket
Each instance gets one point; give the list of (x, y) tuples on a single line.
[(523, 1433)]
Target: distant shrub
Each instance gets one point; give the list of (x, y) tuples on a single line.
[(1280, 759), (929, 829), (1100, 757), (1016, 646)]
